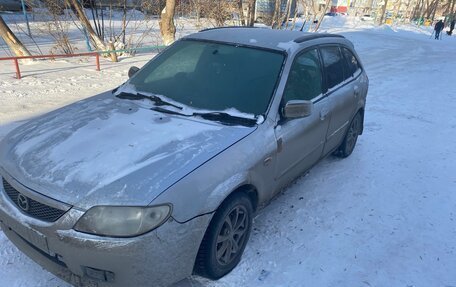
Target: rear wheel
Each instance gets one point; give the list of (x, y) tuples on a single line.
[(225, 238), (349, 142)]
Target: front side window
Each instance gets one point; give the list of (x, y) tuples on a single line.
[(334, 65), (213, 76), (305, 78)]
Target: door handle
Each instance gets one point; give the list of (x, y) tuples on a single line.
[(356, 91), (323, 114)]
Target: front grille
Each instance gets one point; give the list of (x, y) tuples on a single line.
[(34, 208)]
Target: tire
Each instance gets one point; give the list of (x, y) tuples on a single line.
[(349, 142), (222, 246)]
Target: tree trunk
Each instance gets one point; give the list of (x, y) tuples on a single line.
[(407, 10), (434, 10), (295, 15), (424, 8), (167, 27), (276, 15), (398, 9), (416, 10), (322, 15), (12, 41), (251, 16), (124, 21), (113, 54), (287, 15), (241, 13), (353, 8), (382, 14), (429, 8), (79, 11)]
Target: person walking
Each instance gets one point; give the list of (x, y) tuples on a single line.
[(451, 27), (438, 27)]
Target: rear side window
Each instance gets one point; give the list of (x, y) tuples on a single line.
[(352, 63), (305, 78), (334, 65)]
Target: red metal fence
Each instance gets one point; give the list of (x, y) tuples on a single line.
[(16, 59)]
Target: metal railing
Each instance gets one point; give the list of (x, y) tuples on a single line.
[(95, 54)]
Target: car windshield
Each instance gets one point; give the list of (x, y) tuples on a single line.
[(212, 76)]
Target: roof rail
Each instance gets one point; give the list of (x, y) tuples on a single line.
[(314, 36), (226, 27)]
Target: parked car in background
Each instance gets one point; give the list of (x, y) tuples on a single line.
[(160, 178), (367, 17)]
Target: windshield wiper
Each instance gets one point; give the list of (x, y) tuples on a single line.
[(156, 99), (165, 111), (221, 117), (226, 118)]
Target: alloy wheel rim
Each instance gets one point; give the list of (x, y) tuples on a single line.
[(352, 135), (231, 237)]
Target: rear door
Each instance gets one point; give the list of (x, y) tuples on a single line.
[(340, 91)]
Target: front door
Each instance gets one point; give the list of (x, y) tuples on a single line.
[(300, 141)]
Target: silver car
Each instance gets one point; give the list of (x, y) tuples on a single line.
[(160, 178)]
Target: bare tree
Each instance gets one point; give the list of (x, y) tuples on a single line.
[(312, 14), (80, 14), (251, 13), (241, 13), (295, 16), (433, 9), (322, 15), (382, 13), (195, 7), (57, 27), (124, 20), (12, 41), (218, 11), (408, 12), (276, 16), (286, 16), (167, 27), (398, 8)]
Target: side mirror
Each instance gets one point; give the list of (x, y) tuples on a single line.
[(297, 109), (132, 71)]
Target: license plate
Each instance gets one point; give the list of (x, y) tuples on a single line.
[(32, 236)]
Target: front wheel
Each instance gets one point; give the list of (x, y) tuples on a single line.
[(225, 238), (349, 142)]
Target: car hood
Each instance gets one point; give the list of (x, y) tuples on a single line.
[(107, 151)]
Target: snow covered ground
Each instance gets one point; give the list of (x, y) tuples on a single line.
[(385, 216)]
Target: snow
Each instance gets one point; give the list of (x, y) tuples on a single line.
[(290, 46), (385, 216), (102, 161)]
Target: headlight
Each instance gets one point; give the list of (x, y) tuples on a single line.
[(122, 221)]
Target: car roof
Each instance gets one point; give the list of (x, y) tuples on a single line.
[(257, 37)]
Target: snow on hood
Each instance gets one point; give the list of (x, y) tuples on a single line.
[(110, 151)]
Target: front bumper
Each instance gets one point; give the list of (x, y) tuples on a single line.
[(159, 258)]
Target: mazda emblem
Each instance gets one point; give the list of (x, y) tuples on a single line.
[(23, 202)]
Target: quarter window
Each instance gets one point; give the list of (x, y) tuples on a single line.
[(334, 65), (305, 78), (352, 62)]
